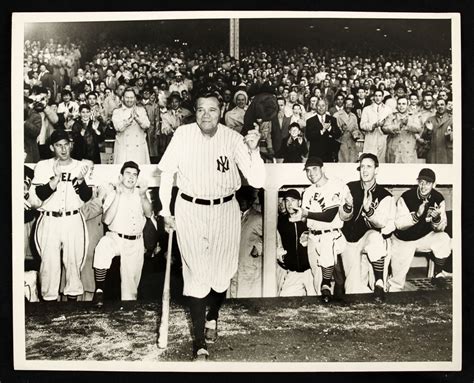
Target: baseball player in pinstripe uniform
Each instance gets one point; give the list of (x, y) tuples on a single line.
[(59, 184), (320, 208), (368, 214), (125, 209), (207, 157)]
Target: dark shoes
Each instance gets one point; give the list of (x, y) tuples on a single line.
[(98, 298), (210, 331), (439, 282), (326, 294), (379, 293)]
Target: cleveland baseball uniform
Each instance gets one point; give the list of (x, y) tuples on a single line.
[(61, 226), (418, 232), (325, 238)]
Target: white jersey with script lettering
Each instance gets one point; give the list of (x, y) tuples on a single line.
[(65, 197), (319, 199)]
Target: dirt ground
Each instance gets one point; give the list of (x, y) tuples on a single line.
[(409, 326)]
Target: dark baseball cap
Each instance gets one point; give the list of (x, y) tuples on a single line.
[(292, 193), (130, 164), (427, 175), (313, 161), (372, 156), (59, 135)]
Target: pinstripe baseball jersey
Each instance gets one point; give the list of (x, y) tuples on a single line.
[(209, 236), (319, 199), (65, 197), (208, 167)]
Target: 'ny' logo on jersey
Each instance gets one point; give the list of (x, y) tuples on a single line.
[(223, 164)]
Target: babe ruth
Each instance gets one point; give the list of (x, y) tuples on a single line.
[(59, 184), (320, 208), (125, 209), (207, 157), (368, 215), (420, 223)]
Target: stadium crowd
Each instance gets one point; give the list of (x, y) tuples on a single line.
[(326, 103)]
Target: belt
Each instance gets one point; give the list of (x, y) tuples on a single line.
[(209, 202), (130, 237), (318, 232), (60, 213)]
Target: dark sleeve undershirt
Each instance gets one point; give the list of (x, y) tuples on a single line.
[(84, 191), (44, 191), (326, 216)]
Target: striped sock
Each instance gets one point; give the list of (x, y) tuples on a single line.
[(100, 275), (378, 267), (327, 275), (438, 265)]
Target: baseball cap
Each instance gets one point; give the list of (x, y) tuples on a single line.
[(372, 156), (58, 135), (427, 175), (313, 161), (129, 164), (292, 193)]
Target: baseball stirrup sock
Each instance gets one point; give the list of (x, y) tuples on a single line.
[(438, 265), (100, 275), (197, 307), (215, 302), (327, 275), (378, 267)]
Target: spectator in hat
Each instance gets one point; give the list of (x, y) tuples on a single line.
[(347, 123), (153, 113), (234, 118), (421, 222), (68, 110), (295, 147), (178, 85)]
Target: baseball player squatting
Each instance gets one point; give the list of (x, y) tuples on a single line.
[(420, 223), (294, 272), (320, 207), (207, 157), (368, 215), (125, 209), (59, 184)]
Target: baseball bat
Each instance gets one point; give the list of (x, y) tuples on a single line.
[(165, 306)]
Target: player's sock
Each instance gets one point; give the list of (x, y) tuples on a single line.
[(378, 267), (197, 307), (327, 275), (100, 275), (215, 300), (438, 265)]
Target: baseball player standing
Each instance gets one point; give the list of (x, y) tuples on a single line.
[(320, 207), (59, 184), (207, 157), (368, 215), (125, 209), (420, 221)]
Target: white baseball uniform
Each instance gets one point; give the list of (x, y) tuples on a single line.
[(60, 226), (325, 238), (128, 222), (208, 235)]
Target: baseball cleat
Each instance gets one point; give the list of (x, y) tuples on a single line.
[(439, 281), (326, 294), (201, 355), (379, 293), (210, 331), (98, 298)]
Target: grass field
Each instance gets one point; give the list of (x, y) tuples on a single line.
[(409, 326)]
